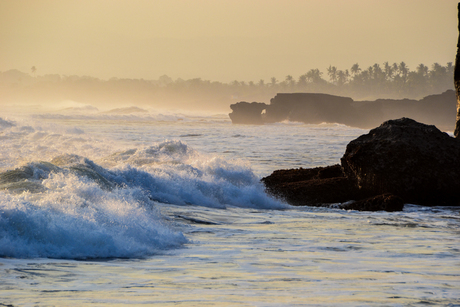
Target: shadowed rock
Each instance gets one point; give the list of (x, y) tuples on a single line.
[(401, 161), (311, 187), (412, 160), (247, 113), (326, 187), (312, 108), (457, 79), (385, 202)]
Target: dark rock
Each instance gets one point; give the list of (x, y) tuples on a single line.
[(457, 79), (247, 113), (311, 187), (415, 161), (401, 161), (384, 202), (437, 110), (303, 174), (326, 187), (312, 108)]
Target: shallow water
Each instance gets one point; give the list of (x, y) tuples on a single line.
[(188, 224)]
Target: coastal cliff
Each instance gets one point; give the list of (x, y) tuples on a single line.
[(314, 108), (457, 79)]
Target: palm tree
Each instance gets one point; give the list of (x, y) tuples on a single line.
[(302, 80), (395, 69), (332, 72), (290, 81), (404, 70), (450, 68), (388, 71), (314, 76), (342, 77), (355, 69), (422, 70)]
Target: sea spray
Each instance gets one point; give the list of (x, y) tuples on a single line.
[(56, 204), (171, 172), (77, 219)]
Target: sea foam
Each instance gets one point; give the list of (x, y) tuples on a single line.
[(77, 219), (69, 206)]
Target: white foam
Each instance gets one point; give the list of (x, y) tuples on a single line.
[(77, 219), (83, 209), (172, 172)]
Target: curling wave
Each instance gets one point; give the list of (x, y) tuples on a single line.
[(72, 207)]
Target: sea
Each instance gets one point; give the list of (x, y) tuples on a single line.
[(166, 208)]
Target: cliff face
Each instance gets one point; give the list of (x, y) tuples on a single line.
[(457, 80), (312, 108), (247, 113), (438, 110)]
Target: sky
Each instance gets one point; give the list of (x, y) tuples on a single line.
[(221, 40)]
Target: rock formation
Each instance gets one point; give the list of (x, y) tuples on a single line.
[(412, 160), (326, 187), (313, 108), (247, 113), (310, 108), (312, 187), (401, 161), (457, 79)]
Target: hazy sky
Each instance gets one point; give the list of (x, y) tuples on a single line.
[(221, 40)]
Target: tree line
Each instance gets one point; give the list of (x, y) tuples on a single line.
[(394, 81)]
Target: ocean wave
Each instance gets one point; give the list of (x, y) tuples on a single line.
[(73, 207), (127, 114), (75, 219), (6, 123)]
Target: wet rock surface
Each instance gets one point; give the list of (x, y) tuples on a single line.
[(311, 187), (415, 161), (401, 161)]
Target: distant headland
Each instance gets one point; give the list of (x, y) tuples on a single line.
[(314, 108)]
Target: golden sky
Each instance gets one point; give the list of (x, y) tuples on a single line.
[(221, 40)]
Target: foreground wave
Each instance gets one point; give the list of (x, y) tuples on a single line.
[(72, 207)]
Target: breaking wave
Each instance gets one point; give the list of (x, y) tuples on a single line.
[(70, 206)]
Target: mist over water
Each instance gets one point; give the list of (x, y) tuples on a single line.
[(121, 185)]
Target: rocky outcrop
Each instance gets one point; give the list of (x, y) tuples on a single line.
[(310, 108), (412, 160), (401, 161), (247, 113), (313, 108), (326, 187), (438, 110), (311, 187), (457, 79), (385, 202)]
